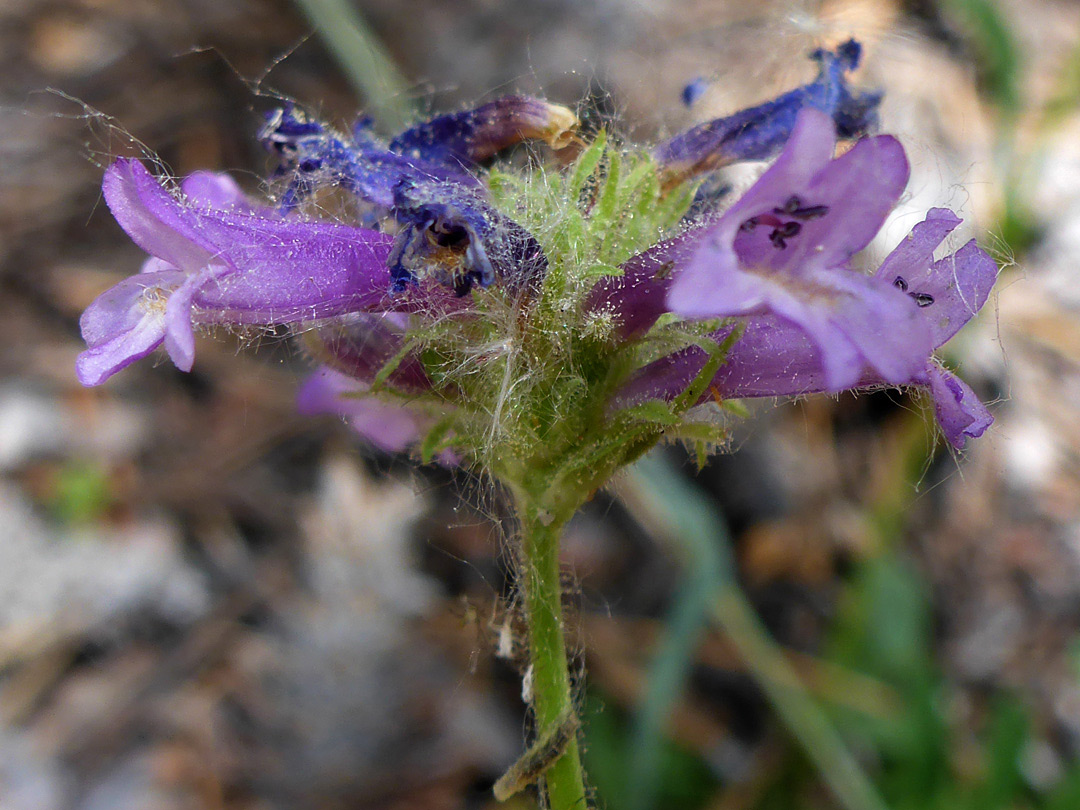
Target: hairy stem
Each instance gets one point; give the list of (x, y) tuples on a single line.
[(552, 700)]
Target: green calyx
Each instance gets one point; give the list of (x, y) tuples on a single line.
[(525, 383)]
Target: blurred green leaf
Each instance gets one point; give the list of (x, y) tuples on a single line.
[(683, 781), (995, 48), (363, 60), (82, 493)]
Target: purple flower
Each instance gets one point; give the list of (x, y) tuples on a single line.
[(387, 425), (214, 264), (784, 248), (775, 268), (775, 357), (759, 132)]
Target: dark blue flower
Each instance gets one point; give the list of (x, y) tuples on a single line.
[(454, 236), (421, 181), (474, 135), (760, 132)]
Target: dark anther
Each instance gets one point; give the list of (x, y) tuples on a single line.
[(794, 208), (781, 233), (749, 225), (810, 212), (922, 299), (792, 205)]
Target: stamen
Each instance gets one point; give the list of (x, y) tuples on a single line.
[(783, 232), (792, 205), (922, 299), (810, 212), (794, 208)]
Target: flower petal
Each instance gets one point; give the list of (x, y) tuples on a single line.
[(953, 289), (179, 322), (290, 271), (915, 253), (154, 219), (886, 326), (694, 292), (856, 190), (124, 324), (218, 190), (388, 426), (959, 411)]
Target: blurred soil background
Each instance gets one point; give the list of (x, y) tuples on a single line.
[(209, 602)]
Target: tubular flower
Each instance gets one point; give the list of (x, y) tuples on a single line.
[(760, 132), (773, 357), (783, 249), (785, 246), (214, 260), (776, 264)]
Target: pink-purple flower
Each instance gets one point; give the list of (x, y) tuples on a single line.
[(213, 260), (777, 265)]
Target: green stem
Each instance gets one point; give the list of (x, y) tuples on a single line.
[(552, 699)]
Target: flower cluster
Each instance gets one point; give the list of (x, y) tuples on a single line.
[(555, 322)]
